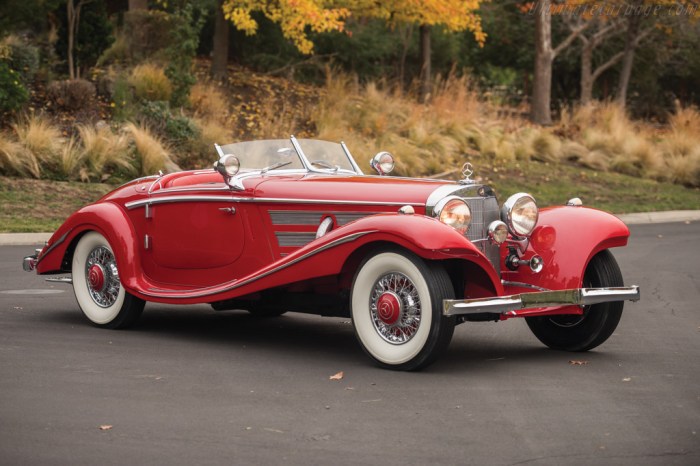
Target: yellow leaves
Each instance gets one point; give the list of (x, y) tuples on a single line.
[(240, 18), (293, 16)]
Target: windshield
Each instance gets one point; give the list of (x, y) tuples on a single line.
[(281, 154)]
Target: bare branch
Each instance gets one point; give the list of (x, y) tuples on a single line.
[(572, 37), (605, 66)]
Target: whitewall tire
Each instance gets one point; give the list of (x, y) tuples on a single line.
[(396, 305), (97, 286)]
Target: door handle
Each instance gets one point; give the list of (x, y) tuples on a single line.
[(228, 210)]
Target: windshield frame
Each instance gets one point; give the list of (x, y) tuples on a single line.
[(350, 166)]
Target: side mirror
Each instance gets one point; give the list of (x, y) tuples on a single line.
[(228, 166), (382, 163)]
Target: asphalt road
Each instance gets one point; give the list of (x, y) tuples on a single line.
[(192, 386)]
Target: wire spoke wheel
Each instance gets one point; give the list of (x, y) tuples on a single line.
[(102, 277), (395, 308), (97, 285)]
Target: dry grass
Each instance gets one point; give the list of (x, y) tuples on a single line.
[(16, 159), (42, 142), (150, 154), (103, 151), (150, 83), (71, 158)]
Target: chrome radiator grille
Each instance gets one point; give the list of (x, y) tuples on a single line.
[(484, 211)]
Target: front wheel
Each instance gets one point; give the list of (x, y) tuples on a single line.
[(396, 305), (596, 324), (97, 287)]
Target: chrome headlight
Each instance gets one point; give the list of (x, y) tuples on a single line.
[(453, 211), (520, 213)]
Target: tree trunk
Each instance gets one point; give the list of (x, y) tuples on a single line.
[(586, 72), (138, 5), (628, 59), (70, 12), (220, 50), (425, 60), (544, 57)]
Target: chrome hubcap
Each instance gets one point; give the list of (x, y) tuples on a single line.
[(102, 277), (395, 308)]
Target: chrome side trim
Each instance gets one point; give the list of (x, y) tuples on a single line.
[(183, 294), (326, 201), (166, 200), (507, 305), (268, 200), (58, 242)]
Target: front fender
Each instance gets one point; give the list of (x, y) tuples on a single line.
[(110, 221), (567, 238)]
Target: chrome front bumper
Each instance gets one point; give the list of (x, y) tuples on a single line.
[(508, 304)]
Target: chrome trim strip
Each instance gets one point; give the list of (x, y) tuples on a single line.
[(53, 246), (328, 201), (183, 189), (237, 284), (171, 199), (507, 305), (270, 200)]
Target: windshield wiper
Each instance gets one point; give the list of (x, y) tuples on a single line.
[(274, 166)]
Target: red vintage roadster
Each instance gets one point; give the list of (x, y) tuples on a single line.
[(294, 225)]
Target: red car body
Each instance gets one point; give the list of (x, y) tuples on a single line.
[(190, 237)]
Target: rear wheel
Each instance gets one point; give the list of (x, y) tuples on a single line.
[(596, 324), (396, 305), (97, 287)]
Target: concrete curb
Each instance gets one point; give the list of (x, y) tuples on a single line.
[(671, 216)]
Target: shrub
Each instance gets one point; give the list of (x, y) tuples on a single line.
[(158, 117), (150, 83), (13, 94), (23, 57), (72, 94)]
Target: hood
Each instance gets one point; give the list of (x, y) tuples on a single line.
[(351, 189)]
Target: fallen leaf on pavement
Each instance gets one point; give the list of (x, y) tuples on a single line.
[(106, 427), (578, 363), (337, 376), (627, 379)]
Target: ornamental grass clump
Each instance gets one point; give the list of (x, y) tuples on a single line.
[(150, 83), (150, 154), (42, 141)]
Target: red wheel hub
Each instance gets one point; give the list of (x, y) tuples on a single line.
[(96, 277), (389, 307)]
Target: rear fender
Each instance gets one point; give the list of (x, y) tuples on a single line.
[(567, 238), (110, 221)]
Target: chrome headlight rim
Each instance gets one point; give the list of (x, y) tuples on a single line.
[(443, 208), (509, 215)]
